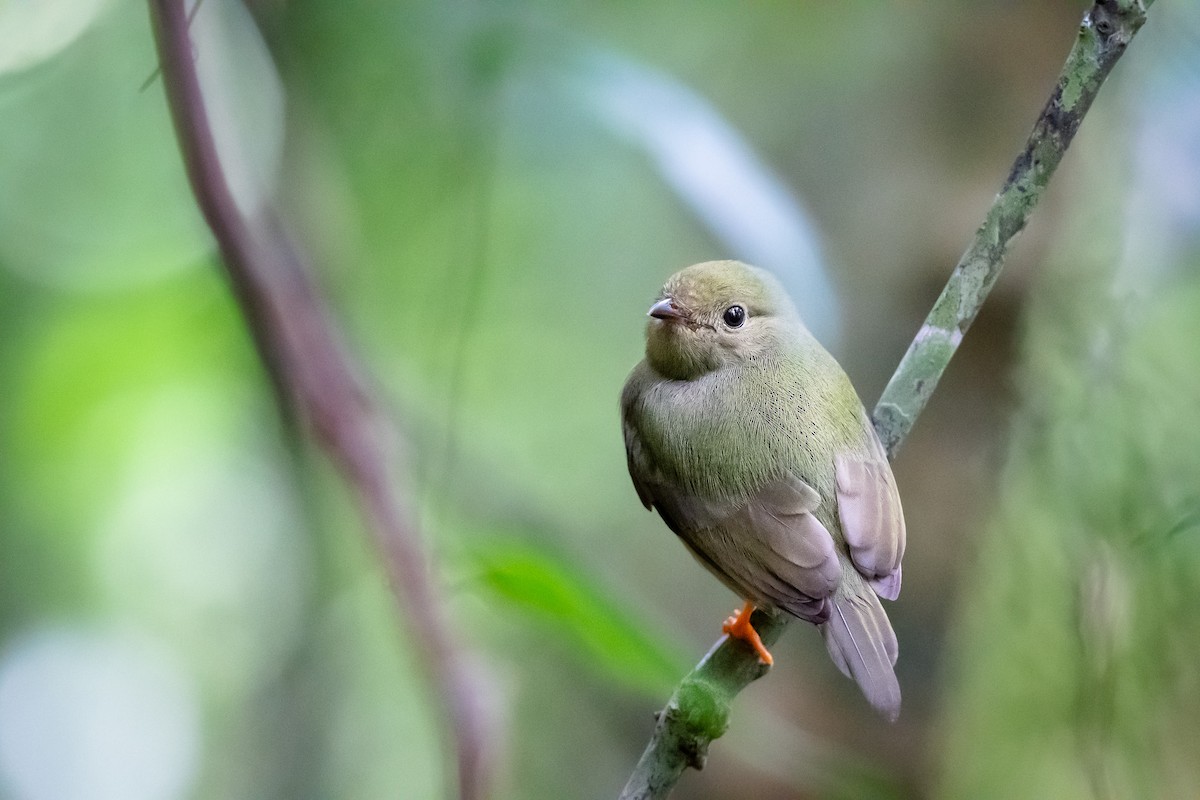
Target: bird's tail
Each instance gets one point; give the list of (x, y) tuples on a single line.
[(862, 644)]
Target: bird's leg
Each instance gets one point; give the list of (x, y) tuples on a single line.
[(739, 627)]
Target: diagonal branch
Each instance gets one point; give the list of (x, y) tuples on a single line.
[(698, 711), (316, 378)]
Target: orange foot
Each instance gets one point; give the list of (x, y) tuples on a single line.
[(739, 627)]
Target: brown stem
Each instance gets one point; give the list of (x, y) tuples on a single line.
[(316, 378)]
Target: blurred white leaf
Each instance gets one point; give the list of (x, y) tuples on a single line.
[(244, 98), (34, 30), (1163, 221), (91, 715), (711, 167), (93, 194)]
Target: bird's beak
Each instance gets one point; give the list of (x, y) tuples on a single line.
[(667, 309)]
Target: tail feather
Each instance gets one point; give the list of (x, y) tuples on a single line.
[(862, 644)]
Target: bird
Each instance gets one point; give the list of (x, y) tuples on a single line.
[(748, 439)]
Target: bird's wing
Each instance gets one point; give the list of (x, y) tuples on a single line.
[(872, 519), (788, 548), (642, 469), (769, 547), (640, 466)]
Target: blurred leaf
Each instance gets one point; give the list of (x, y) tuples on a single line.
[(31, 32), (1162, 223), (713, 169), (81, 387), (613, 639), (244, 98), (1077, 649), (92, 189)]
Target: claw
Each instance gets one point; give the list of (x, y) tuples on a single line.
[(739, 627)]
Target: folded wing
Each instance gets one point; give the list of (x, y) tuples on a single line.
[(872, 519), (767, 547)]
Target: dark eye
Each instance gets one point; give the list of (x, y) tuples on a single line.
[(735, 316)]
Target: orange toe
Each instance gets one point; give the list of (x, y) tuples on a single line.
[(739, 627)]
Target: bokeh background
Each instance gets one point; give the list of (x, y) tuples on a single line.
[(491, 194)]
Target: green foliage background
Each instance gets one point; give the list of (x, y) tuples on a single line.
[(181, 574)]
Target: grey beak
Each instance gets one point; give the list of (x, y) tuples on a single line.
[(667, 309)]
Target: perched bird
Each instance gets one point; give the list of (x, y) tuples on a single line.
[(748, 439)]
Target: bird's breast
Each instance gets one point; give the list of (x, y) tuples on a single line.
[(726, 435)]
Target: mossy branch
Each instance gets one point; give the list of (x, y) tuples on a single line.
[(1104, 34), (698, 710)]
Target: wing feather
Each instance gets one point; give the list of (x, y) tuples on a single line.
[(768, 547), (872, 520)]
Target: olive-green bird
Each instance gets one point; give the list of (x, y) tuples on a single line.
[(748, 439)]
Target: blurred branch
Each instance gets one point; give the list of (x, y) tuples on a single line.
[(698, 711), (316, 378)]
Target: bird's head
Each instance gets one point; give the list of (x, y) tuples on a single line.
[(715, 314)]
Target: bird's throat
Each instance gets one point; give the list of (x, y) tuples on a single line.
[(677, 353)]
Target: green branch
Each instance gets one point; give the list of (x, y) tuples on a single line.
[(698, 711), (1105, 33)]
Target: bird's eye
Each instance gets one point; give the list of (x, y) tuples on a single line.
[(735, 316)]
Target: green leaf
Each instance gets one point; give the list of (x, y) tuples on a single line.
[(615, 640)]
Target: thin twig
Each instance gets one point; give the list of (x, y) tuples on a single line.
[(316, 378), (698, 711)]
